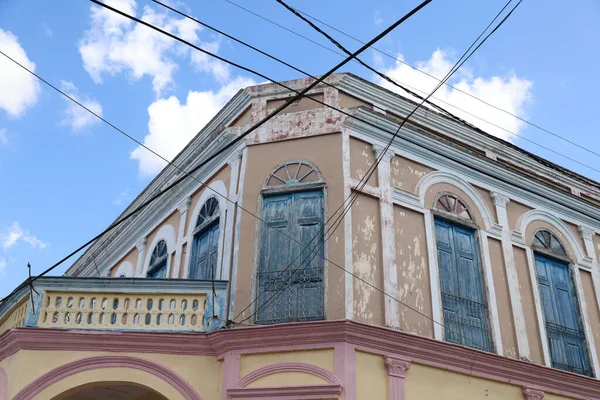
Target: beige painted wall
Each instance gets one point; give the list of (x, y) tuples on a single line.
[(406, 173), (27, 365), (487, 197), (362, 158), (323, 358), (592, 306), (131, 257), (347, 101), (531, 322), (324, 152), (505, 315), (372, 378), (413, 271), (366, 257), (514, 210), (304, 104)]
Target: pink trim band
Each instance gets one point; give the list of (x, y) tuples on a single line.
[(288, 367), (93, 363), (533, 394)]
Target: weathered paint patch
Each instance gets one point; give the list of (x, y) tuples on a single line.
[(406, 173), (362, 158), (413, 271), (366, 256)]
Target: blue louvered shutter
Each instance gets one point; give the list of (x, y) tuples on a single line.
[(566, 338), (461, 283), (205, 253), (290, 277)]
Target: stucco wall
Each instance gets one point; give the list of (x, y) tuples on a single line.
[(324, 152), (323, 358), (413, 271), (514, 210), (406, 173), (487, 197), (371, 377), (362, 158), (507, 330), (130, 257), (366, 257), (347, 101), (592, 306)]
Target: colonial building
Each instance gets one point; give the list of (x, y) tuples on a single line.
[(466, 268)]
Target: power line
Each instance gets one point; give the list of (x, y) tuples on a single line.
[(537, 126), (372, 169), (224, 148), (404, 86)]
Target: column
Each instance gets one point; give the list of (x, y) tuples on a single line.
[(500, 201), (234, 165), (388, 237), (587, 234), (396, 368), (183, 208), (348, 262), (532, 394), (141, 247)]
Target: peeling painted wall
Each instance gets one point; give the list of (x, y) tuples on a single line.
[(366, 257), (304, 104), (514, 210), (406, 173), (325, 152), (362, 158), (414, 288), (531, 322), (505, 315), (592, 306), (596, 240)]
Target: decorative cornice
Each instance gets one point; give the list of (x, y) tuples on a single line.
[(365, 337), (387, 156), (184, 205), (396, 366), (288, 367), (500, 200), (533, 394), (585, 232)]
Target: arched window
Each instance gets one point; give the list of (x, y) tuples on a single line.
[(546, 240), (464, 299), (158, 261), (449, 203), (290, 271), (564, 328), (205, 247)]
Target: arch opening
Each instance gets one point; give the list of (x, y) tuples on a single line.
[(112, 391)]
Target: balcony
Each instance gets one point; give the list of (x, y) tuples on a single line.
[(140, 304)]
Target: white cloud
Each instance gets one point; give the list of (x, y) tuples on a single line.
[(115, 44), (124, 197), (377, 19), (19, 90), (15, 233), (2, 267), (47, 31), (510, 93), (74, 115), (173, 124), (205, 63)]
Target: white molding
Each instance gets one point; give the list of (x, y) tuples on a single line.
[(183, 208), (541, 215), (237, 233), (589, 333), (388, 246), (166, 233), (348, 261), (538, 307), (491, 292), (408, 200), (455, 180), (437, 310), (587, 235), (125, 269), (234, 166), (141, 248), (512, 277), (218, 190)]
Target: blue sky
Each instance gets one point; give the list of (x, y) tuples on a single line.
[(65, 176)]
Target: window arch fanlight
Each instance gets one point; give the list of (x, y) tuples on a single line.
[(205, 246), (451, 204), (293, 173), (546, 240), (158, 261)]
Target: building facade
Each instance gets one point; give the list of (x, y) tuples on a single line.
[(462, 261)]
